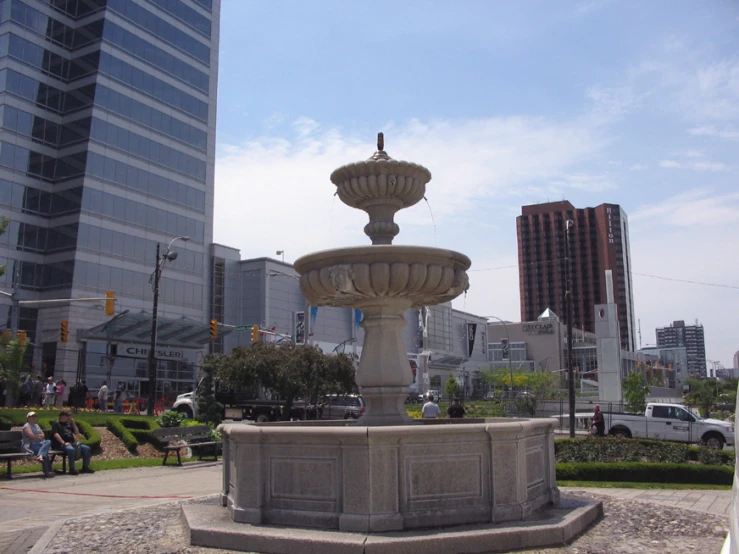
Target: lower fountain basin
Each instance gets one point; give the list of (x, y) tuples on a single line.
[(367, 275), (346, 477)]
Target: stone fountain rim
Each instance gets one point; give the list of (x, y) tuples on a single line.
[(376, 167), (381, 253)]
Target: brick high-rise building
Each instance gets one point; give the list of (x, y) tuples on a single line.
[(692, 338), (599, 240)]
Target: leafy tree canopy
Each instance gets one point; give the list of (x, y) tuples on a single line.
[(635, 393), (288, 371)]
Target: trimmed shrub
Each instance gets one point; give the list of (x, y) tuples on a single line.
[(616, 449), (5, 424), (171, 419), (92, 437), (646, 473), (141, 429), (116, 427)]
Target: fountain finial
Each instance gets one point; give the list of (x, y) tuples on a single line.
[(380, 154)]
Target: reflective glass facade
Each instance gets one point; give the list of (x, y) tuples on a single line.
[(107, 138)]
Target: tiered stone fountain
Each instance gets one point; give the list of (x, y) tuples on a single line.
[(385, 473)]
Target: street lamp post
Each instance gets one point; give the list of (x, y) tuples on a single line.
[(568, 297), (160, 261), (508, 338)]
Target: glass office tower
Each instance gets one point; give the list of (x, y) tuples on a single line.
[(107, 146)]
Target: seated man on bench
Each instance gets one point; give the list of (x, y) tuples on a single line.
[(64, 430)]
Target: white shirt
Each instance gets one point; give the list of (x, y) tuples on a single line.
[(103, 393), (430, 410)]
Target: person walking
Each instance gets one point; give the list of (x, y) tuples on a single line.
[(64, 429), (103, 397), (598, 426), (455, 409), (49, 392), (37, 397), (430, 410), (34, 442)]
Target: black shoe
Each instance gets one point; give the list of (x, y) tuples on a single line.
[(87, 470), (49, 474), (74, 472)]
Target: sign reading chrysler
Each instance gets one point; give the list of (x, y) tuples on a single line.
[(161, 353), (539, 328)]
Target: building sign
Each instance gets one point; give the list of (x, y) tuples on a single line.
[(161, 353), (300, 328), (471, 328), (539, 328), (611, 238)]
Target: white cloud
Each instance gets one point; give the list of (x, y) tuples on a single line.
[(688, 236), (696, 207), (612, 103), (697, 166), (728, 132), (638, 167), (290, 204)]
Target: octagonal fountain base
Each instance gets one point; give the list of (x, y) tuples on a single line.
[(356, 480)]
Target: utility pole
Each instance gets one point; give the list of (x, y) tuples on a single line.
[(568, 296), (153, 345)]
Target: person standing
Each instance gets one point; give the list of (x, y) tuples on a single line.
[(49, 392), (61, 386), (103, 397), (430, 410), (118, 399), (456, 410), (64, 430), (598, 426), (37, 396), (34, 442)]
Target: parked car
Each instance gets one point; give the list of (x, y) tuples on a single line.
[(338, 406)]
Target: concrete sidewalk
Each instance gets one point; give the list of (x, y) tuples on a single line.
[(29, 504)]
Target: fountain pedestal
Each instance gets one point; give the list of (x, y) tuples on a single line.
[(388, 478)]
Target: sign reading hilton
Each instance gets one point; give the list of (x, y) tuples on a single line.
[(539, 328)]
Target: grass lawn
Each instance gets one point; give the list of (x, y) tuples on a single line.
[(623, 485), (99, 465), (94, 418)]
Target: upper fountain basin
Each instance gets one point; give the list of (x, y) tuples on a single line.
[(363, 184), (358, 275)]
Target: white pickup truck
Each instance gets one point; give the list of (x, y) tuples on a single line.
[(672, 422)]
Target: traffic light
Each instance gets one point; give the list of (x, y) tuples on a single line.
[(213, 328), (22, 338), (64, 331), (254, 334), (109, 302), (504, 348)]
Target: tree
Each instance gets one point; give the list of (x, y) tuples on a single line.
[(635, 393), (210, 410), (702, 394), (12, 364), (452, 387), (288, 371), (541, 385)]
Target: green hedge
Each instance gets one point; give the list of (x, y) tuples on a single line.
[(616, 449), (141, 429), (646, 473), (116, 427), (5, 424), (92, 437)]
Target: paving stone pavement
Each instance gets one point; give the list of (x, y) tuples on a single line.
[(29, 505)]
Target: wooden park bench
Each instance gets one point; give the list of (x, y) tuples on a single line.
[(185, 437), (11, 449)]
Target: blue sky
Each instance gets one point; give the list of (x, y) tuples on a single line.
[(507, 103)]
